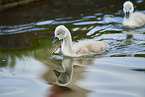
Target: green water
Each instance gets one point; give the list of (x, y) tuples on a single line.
[(28, 59)]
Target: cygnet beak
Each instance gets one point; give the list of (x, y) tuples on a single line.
[(127, 15), (54, 40)]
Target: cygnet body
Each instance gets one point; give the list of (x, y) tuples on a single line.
[(79, 49), (132, 19)]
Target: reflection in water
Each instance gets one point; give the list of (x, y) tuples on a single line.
[(64, 78), (28, 61), (103, 76), (67, 74), (58, 91), (129, 36), (129, 39)]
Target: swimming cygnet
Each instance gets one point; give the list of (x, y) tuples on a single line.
[(79, 49), (132, 19)]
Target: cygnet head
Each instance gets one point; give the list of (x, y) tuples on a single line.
[(61, 32), (128, 8)]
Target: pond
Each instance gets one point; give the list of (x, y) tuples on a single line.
[(29, 63)]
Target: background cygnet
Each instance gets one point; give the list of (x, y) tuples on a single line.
[(132, 19)]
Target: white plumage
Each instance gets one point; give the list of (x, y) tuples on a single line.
[(132, 19), (79, 49)]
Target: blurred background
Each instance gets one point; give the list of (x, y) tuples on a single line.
[(27, 11), (28, 58)]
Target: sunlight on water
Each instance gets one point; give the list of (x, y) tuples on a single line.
[(44, 22), (30, 62)]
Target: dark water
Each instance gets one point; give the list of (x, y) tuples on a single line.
[(28, 60)]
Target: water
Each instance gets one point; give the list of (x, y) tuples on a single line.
[(29, 64)]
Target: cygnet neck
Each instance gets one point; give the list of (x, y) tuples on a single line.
[(67, 44)]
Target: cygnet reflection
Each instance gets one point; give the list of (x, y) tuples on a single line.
[(129, 35), (64, 78), (129, 40)]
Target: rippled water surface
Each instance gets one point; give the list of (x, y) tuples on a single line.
[(29, 63)]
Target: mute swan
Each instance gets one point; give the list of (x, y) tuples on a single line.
[(132, 19), (79, 49)]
